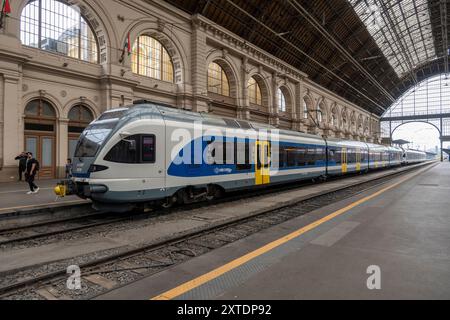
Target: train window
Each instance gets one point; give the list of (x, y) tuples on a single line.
[(335, 156), (148, 149), (311, 156), (282, 157), (125, 151), (351, 155), (133, 149), (291, 157), (242, 155), (228, 151)]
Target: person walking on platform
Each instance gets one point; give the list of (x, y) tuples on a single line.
[(22, 158), (30, 175)]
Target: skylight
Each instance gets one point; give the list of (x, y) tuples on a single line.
[(402, 30)]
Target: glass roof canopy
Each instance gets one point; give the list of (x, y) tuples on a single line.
[(402, 30), (431, 96)]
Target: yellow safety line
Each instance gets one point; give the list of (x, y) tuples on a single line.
[(38, 205), (192, 284)]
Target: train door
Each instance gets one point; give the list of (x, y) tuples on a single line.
[(262, 163), (153, 153), (358, 159), (344, 160)]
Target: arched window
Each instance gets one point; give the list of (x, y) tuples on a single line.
[(40, 109), (333, 118), (79, 118), (305, 109), (254, 92), (218, 80), (281, 100), (319, 112), (52, 25), (149, 58)]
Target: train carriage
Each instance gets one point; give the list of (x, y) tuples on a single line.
[(345, 156), (150, 154)]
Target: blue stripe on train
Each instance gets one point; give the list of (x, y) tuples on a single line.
[(204, 169)]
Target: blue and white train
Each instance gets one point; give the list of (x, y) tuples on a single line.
[(148, 154)]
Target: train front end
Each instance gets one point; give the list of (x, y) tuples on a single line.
[(84, 164)]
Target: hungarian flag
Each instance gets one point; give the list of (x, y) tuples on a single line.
[(127, 45), (6, 7)]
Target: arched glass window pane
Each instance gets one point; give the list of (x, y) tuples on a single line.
[(217, 80), (254, 92), (149, 58), (32, 108), (319, 113), (305, 109), (52, 25), (40, 108), (47, 110), (80, 114), (281, 101)]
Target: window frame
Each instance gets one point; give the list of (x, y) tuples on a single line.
[(281, 101), (254, 92), (81, 19), (139, 138), (223, 75), (137, 53)]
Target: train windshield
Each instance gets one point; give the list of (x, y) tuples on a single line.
[(92, 138)]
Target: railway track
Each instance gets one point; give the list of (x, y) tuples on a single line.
[(124, 266), (44, 229), (18, 235)]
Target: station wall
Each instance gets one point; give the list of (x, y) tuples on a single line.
[(49, 78)]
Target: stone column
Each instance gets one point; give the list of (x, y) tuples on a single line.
[(244, 103), (12, 131), (62, 143), (273, 118), (199, 69), (297, 115)]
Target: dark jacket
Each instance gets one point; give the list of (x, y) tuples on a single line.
[(22, 161), (30, 166)]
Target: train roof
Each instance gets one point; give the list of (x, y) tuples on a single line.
[(157, 111)]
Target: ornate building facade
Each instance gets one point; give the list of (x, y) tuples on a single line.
[(62, 63)]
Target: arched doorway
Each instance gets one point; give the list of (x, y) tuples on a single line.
[(79, 118), (40, 135)]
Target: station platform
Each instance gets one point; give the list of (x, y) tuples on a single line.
[(14, 197), (393, 239)]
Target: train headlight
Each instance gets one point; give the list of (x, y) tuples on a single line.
[(97, 168)]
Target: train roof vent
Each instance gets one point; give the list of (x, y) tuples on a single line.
[(113, 114), (231, 123), (244, 124)]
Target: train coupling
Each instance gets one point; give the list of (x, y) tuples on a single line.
[(65, 188)]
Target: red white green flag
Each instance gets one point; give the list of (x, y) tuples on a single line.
[(6, 7), (128, 44)]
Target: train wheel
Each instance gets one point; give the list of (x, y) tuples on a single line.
[(169, 202), (213, 193)]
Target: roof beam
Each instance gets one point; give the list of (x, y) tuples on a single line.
[(304, 53), (302, 11), (443, 9)]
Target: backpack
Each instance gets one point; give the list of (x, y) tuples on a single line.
[(37, 167)]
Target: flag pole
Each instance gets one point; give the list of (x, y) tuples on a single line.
[(2, 14)]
